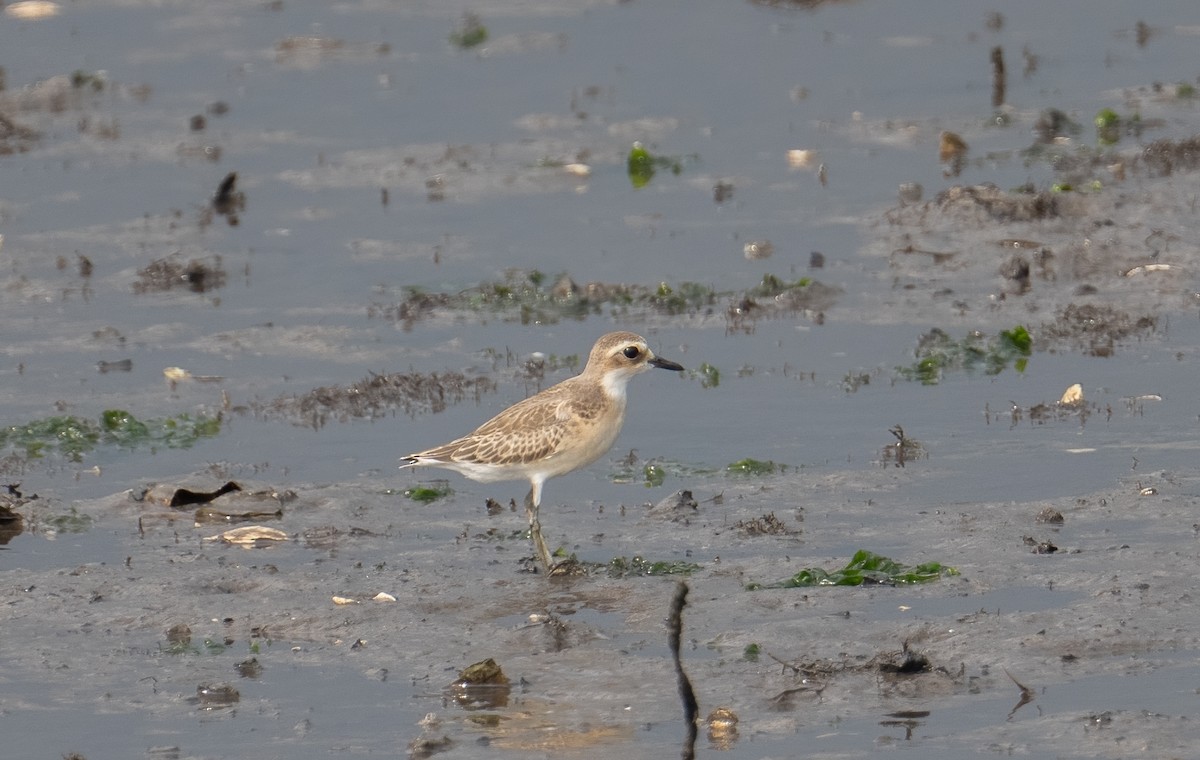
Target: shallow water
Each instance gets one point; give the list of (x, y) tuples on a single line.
[(375, 157)]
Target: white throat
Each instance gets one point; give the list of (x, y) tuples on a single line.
[(614, 384)]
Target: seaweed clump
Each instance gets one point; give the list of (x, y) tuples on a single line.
[(1095, 330), (377, 396)]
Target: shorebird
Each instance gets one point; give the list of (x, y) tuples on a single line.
[(563, 428)]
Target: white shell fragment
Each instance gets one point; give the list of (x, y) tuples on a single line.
[(249, 535), (758, 249), (1148, 268), (344, 600), (33, 9), (801, 159), (383, 596), (179, 374), (1072, 395), (175, 374)]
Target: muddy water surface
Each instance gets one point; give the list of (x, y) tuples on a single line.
[(403, 252)]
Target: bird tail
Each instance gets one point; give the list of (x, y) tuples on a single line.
[(408, 461)]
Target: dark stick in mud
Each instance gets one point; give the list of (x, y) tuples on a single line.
[(674, 632)]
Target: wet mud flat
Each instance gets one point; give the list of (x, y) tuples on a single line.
[(250, 650), (345, 619), (290, 310)]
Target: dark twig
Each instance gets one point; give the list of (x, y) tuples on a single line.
[(674, 632), (1027, 694), (787, 665)]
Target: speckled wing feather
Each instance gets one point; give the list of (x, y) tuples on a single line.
[(531, 430)]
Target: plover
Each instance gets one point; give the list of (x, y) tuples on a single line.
[(563, 428)]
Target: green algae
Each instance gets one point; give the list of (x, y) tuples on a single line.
[(709, 376), (752, 467), (469, 33), (532, 297), (622, 567), (937, 353), (429, 494), (864, 568), (641, 165), (72, 437)]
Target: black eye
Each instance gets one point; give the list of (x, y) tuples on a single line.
[(632, 352)]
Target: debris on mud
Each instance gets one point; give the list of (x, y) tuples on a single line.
[(903, 450), (184, 497), (484, 672), (722, 725), (376, 396), (533, 370), (1163, 158), (680, 506), (952, 151), (1086, 242), (1042, 413), (228, 515), (1049, 516), (197, 275), (226, 505), (907, 662), (322, 536), (15, 138), (179, 635), (12, 523), (1039, 547), (212, 696), (55, 95), (250, 668), (891, 670), (427, 746), (482, 685), (1053, 124), (766, 525), (493, 507), (1096, 330), (306, 53), (120, 365), (774, 298), (416, 306), (983, 204), (523, 296), (228, 200), (176, 375)]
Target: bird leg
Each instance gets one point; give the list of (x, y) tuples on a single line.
[(535, 532)]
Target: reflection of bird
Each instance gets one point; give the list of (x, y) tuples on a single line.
[(563, 428)]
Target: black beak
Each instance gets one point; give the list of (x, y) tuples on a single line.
[(662, 363)]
